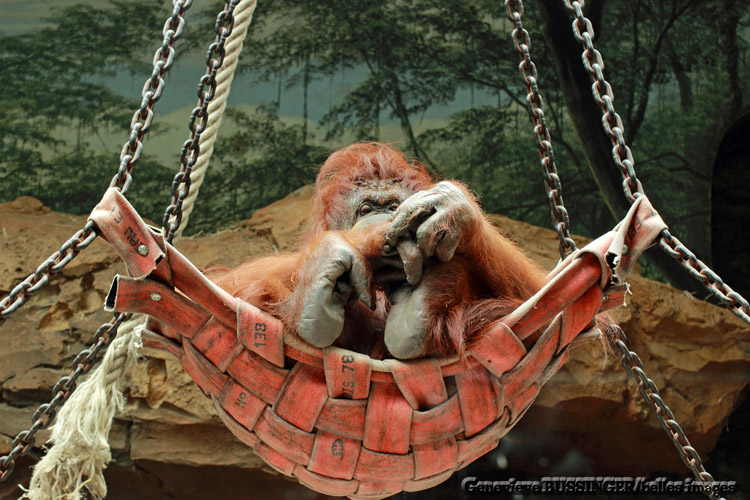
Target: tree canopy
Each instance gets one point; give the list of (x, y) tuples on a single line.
[(678, 69)]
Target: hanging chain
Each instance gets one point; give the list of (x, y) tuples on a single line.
[(650, 393), (701, 272), (535, 108), (21, 293), (131, 153), (198, 120), (45, 414), (151, 93), (583, 31)]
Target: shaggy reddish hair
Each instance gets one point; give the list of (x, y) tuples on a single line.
[(364, 160)]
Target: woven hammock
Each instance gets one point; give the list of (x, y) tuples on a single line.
[(338, 421)]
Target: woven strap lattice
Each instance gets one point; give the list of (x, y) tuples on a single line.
[(342, 423)]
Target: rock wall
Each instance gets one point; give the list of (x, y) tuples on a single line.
[(588, 419)]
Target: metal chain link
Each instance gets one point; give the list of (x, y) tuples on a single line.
[(131, 152), (701, 272), (198, 120), (583, 31), (593, 62), (650, 393), (151, 93), (623, 158), (21, 293), (535, 108), (45, 414)]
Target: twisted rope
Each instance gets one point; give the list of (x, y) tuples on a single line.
[(243, 14), (80, 433)]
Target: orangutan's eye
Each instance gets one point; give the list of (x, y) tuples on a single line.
[(365, 209)]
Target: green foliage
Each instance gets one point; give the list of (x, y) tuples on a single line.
[(670, 63), (415, 55), (57, 98), (262, 162), (478, 147), (54, 95), (488, 149)]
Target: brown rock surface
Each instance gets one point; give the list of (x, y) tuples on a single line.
[(170, 440)]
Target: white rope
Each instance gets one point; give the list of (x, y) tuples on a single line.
[(81, 450), (243, 14)]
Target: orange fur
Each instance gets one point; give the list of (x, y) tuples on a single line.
[(487, 278)]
